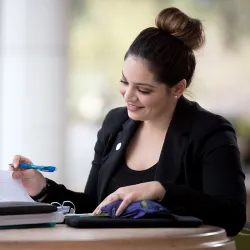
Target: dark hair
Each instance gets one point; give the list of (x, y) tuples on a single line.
[(168, 49)]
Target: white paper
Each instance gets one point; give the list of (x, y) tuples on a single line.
[(12, 189)]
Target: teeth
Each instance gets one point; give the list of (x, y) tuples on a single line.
[(133, 106)]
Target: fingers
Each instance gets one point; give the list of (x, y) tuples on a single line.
[(20, 159), (111, 198), (127, 200), (27, 174), (125, 203), (106, 201), (126, 194), (11, 168)]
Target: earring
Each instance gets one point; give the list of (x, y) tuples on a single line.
[(175, 96)]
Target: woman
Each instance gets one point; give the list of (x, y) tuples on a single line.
[(161, 146)]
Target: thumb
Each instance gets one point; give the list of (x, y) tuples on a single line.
[(16, 160)]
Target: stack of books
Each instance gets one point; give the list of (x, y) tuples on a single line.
[(29, 214), (18, 209)]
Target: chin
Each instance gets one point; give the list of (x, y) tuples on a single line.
[(135, 117)]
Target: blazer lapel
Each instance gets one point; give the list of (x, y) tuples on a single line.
[(115, 156), (172, 153), (177, 137)]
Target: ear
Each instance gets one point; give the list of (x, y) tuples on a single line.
[(179, 88)]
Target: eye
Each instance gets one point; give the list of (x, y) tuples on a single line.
[(124, 82), (144, 92)]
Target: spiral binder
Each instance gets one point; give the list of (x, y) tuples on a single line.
[(65, 207)]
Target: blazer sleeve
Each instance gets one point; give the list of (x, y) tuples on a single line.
[(84, 202), (222, 201)]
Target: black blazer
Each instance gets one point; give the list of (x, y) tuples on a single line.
[(199, 166)]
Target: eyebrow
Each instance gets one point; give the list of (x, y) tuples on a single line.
[(140, 83)]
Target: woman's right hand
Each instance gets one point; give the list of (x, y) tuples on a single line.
[(33, 181)]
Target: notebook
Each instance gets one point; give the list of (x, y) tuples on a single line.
[(18, 208), (25, 207), (31, 219)]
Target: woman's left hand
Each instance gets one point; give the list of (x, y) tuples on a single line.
[(144, 191)]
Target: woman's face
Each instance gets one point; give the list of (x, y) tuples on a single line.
[(146, 99)]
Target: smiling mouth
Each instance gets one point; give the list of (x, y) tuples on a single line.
[(132, 107)]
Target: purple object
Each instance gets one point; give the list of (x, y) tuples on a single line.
[(135, 210)]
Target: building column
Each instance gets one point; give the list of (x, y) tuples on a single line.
[(33, 71)]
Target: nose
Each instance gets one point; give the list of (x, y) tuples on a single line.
[(130, 95)]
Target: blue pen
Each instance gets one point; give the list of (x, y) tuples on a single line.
[(36, 167)]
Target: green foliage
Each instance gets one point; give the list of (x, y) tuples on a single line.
[(242, 126)]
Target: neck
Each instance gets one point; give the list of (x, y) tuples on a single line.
[(162, 122)]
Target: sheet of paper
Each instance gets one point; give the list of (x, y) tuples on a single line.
[(11, 189)]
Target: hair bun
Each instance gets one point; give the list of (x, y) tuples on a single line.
[(188, 30)]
